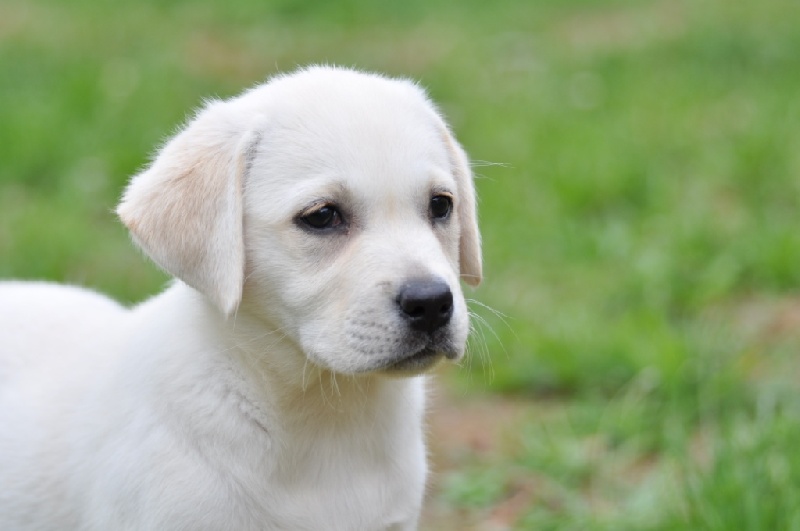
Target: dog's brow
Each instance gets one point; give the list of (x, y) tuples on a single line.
[(335, 191), (442, 189)]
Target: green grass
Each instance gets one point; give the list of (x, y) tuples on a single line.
[(640, 204)]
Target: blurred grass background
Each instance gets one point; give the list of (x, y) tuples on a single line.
[(638, 165)]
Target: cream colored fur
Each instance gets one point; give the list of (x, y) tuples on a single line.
[(267, 387)]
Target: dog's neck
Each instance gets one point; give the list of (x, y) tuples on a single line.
[(271, 373)]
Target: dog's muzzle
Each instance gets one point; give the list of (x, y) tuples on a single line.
[(426, 305)]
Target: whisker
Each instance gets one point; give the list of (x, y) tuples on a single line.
[(324, 396), (335, 384), (303, 377), (483, 347), (497, 313), (485, 325), (485, 163)]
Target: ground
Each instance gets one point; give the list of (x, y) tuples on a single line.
[(462, 429)]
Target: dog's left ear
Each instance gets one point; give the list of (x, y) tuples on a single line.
[(185, 210), (471, 263)]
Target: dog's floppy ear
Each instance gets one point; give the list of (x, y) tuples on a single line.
[(471, 263), (185, 209)]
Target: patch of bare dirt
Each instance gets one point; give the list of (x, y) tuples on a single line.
[(465, 429)]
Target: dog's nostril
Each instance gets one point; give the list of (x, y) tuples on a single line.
[(415, 311), (426, 304)]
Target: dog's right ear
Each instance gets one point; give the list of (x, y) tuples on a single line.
[(185, 210)]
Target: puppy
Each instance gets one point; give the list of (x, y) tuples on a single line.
[(317, 227)]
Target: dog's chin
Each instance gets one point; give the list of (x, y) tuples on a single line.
[(416, 363)]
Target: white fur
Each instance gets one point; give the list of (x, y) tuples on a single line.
[(259, 391)]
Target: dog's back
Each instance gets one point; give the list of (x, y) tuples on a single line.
[(43, 325), (53, 339)]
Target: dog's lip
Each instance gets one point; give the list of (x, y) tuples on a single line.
[(417, 362)]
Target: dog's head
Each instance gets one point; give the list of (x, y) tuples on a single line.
[(334, 204)]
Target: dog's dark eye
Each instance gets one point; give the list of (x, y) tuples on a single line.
[(325, 217), (441, 205)]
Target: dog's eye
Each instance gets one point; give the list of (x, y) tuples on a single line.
[(325, 217), (441, 205)]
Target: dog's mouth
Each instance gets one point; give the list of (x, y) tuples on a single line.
[(415, 363), (418, 362)]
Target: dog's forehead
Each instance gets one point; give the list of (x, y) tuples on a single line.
[(368, 121), (374, 137)]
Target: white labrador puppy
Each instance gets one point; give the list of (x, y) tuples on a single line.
[(318, 226)]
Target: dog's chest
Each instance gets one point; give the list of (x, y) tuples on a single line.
[(357, 467), (348, 495), (363, 474)]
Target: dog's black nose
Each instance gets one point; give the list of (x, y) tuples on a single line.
[(427, 304)]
